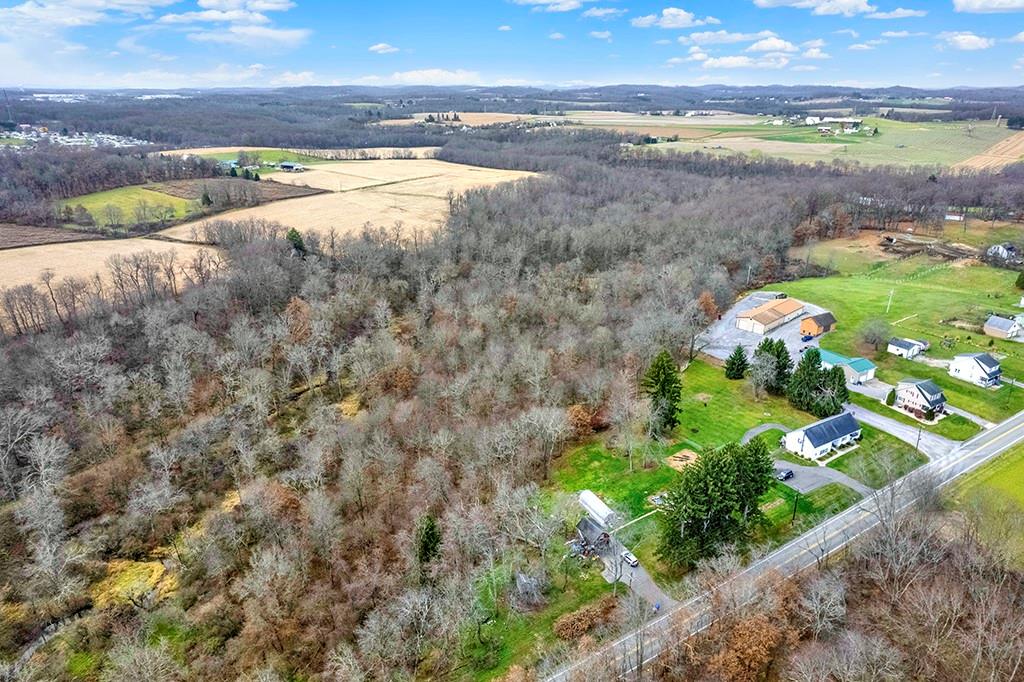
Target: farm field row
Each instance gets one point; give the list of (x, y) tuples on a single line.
[(895, 143), (78, 259), (17, 236), (384, 193)]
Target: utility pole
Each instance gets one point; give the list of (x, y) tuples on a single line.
[(795, 500), (917, 445), (889, 304)]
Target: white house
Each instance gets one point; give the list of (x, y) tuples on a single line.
[(820, 438), (1001, 327), (905, 348), (918, 396), (980, 369)]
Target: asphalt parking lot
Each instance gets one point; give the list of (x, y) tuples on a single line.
[(722, 337)]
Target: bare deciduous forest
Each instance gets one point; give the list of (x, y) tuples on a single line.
[(325, 454)]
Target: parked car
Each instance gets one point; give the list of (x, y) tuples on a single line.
[(806, 338), (629, 559), (784, 474)]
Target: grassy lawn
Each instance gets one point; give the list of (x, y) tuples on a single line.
[(126, 199), (953, 426), (716, 410), (879, 459), (925, 293), (519, 638), (980, 233), (606, 472), (777, 505)]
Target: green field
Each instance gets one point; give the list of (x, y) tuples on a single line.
[(997, 491), (13, 141), (924, 293), (126, 199), (951, 426), (778, 502), (716, 410), (269, 155), (879, 460), (895, 143)]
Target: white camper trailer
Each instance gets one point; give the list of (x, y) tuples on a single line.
[(596, 509)]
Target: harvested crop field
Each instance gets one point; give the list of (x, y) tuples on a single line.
[(383, 193), (17, 236), (1003, 153), (466, 118), (79, 259), (268, 190)]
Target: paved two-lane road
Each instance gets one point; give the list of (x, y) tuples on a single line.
[(630, 652)]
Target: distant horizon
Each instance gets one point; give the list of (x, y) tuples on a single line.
[(551, 44), (43, 89)]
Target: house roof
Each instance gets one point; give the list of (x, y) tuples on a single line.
[(905, 344), (929, 390), (861, 365), (833, 428), (825, 319), (988, 364), (830, 358), (769, 312), (1001, 323)]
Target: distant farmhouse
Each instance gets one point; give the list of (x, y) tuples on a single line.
[(768, 316), (821, 438), (857, 370), (830, 125), (919, 396), (906, 348), (816, 325), (1001, 327), (981, 369)]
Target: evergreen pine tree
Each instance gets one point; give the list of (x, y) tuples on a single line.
[(805, 381), (664, 387), (736, 365), (1020, 280), (890, 397), (783, 368), (295, 238), (428, 540)]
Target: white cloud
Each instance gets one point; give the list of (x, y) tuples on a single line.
[(673, 17), (772, 45), (504, 27), (1019, 64), (845, 7), (861, 47), (695, 54), (983, 6), (816, 53), (382, 48), (238, 16), (817, 42), (1019, 38), (804, 67), (902, 34), (604, 12), (746, 62), (254, 36), (966, 40), (898, 13), (602, 35), (552, 5), (556, 36), (724, 37), (130, 43), (425, 77), (848, 32), (665, 41)]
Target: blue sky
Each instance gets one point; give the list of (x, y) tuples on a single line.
[(206, 43)]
